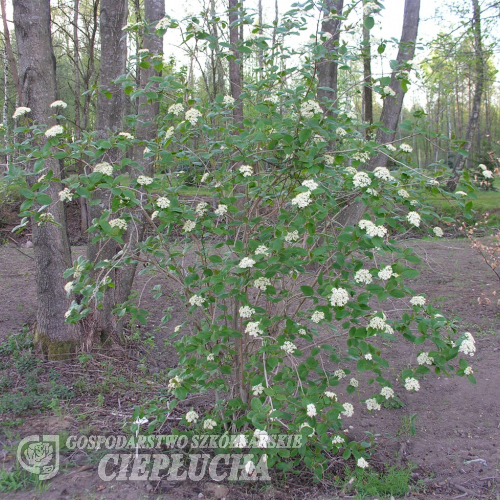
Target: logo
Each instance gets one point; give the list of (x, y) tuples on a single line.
[(39, 455)]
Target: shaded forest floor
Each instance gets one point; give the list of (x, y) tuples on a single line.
[(441, 431)]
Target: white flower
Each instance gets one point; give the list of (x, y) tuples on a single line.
[(204, 177), (387, 392), (371, 404), (488, 174), (59, 104), (192, 417), (174, 382), (68, 287), (154, 215), (361, 156), (209, 424), (246, 170), (329, 160), (338, 440), (253, 329), (318, 138), (262, 250), (240, 441), (228, 100), (211, 357), (377, 323), (339, 298), (55, 130), (192, 116), (403, 193), (272, 98), (246, 263), (104, 168), (262, 283), (292, 236), (468, 345), (383, 173), (340, 374), (20, 112), (246, 311), (418, 300), (119, 223), (262, 437), (371, 229), (310, 108), (388, 91), (177, 329), (363, 276), (413, 218), (468, 371), (309, 183), (289, 347), (354, 382), (351, 114), (302, 331), (257, 390), (176, 109), (189, 225), (311, 410), (482, 166), (126, 135), (411, 384), (348, 410), (220, 210), (197, 300), (163, 202), (406, 148), (414, 202), (424, 359), (361, 180), (169, 133), (65, 195), (386, 273), (144, 180), (302, 199), (340, 132), (163, 23), (330, 394), (371, 191), (390, 147), (317, 316), (433, 182), (362, 463), (461, 193), (201, 209)]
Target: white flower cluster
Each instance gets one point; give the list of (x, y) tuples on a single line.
[(354, 382), (372, 404), (119, 223), (240, 441), (302, 331), (372, 229), (348, 410), (424, 359), (292, 236), (388, 91), (413, 218), (20, 112), (257, 390), (192, 116), (391, 148), (468, 371), (246, 311), (228, 100), (361, 156), (174, 383), (189, 225), (339, 373), (163, 202), (411, 384), (253, 329), (311, 410), (201, 209), (163, 23), (176, 109), (309, 183), (438, 232), (406, 148), (339, 298), (54, 131), (169, 133), (338, 440), (262, 283), (65, 195), (126, 135), (368, 356), (246, 263), (362, 463), (387, 392), (220, 210), (385, 273), (45, 218), (262, 250), (302, 199), (330, 394), (197, 300), (418, 300), (329, 160), (361, 180), (192, 417), (370, 7), (209, 424), (318, 138), (246, 170), (310, 108), (68, 287), (59, 104), (403, 193), (317, 316), (379, 324), (488, 174), (144, 180), (468, 345), (363, 276), (371, 191), (350, 170), (289, 347), (341, 132), (383, 173)]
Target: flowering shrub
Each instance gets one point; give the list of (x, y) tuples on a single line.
[(277, 295)]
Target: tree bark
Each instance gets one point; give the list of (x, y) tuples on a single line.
[(328, 68), (109, 119), (10, 53), (367, 79), (392, 105), (476, 100), (235, 62), (52, 252)]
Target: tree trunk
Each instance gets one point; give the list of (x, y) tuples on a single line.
[(235, 62), (10, 53), (109, 119), (392, 105), (476, 101), (52, 252), (366, 52), (328, 68), (146, 130)]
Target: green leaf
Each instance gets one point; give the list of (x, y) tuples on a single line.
[(307, 290), (304, 135), (369, 24), (216, 259), (43, 199)]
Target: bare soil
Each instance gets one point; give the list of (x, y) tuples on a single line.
[(456, 423)]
